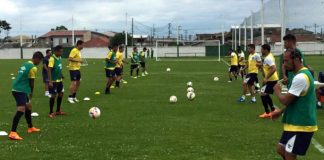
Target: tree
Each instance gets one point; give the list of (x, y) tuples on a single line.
[(59, 28), (4, 25), (119, 38)]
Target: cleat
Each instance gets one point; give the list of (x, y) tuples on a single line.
[(33, 129), (143, 75), (51, 115), (229, 81), (265, 115), (75, 100), (125, 82), (71, 100), (60, 113), (241, 99), (14, 136), (112, 86), (146, 73)]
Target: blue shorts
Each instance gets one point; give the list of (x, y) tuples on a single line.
[(75, 75), (45, 77), (118, 71), (21, 98), (57, 88), (110, 73), (296, 142)]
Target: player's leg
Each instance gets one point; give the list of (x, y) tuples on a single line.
[(265, 103), (21, 100), (60, 92), (28, 118), (109, 81), (118, 76), (244, 88), (132, 67), (145, 72), (250, 85), (137, 69), (78, 82), (72, 86), (53, 92)]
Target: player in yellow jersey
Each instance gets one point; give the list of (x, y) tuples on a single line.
[(142, 62), (233, 69), (269, 81), (119, 65), (75, 61), (241, 62), (252, 77)]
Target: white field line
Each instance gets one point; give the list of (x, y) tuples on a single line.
[(317, 145)]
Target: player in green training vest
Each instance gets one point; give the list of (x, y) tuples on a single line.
[(22, 90), (135, 58), (299, 117), (55, 77), (142, 62), (110, 67)]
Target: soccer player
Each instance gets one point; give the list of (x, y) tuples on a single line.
[(252, 77), (110, 67), (119, 66), (233, 68), (290, 43), (241, 65), (55, 78), (22, 91), (142, 61), (134, 62), (44, 72), (299, 118), (74, 68), (269, 81)]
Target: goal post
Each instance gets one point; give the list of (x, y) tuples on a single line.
[(166, 50)]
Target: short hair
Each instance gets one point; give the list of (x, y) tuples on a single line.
[(251, 46), (289, 37), (79, 42), (38, 55), (294, 53), (48, 50), (266, 47), (144, 48), (121, 47), (57, 48), (134, 48)]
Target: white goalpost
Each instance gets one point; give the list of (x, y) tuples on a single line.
[(167, 50)]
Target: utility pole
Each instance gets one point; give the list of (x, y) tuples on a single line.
[(153, 34), (169, 28), (126, 33), (132, 32), (186, 34), (178, 30)]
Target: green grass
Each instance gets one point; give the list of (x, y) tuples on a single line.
[(138, 122)]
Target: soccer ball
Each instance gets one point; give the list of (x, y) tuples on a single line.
[(216, 79), (173, 99), (191, 96), (168, 69), (190, 89), (94, 112), (189, 84)]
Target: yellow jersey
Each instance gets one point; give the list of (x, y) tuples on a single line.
[(234, 60), (241, 55), (119, 58), (269, 61), (253, 59), (75, 53)]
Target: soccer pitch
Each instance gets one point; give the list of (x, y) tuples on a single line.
[(138, 122)]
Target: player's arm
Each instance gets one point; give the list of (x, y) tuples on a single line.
[(32, 76), (72, 57), (108, 58), (49, 71), (45, 67)]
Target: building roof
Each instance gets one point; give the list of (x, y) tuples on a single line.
[(97, 42), (110, 33), (18, 37), (64, 33)]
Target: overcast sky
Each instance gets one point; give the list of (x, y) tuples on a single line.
[(196, 16)]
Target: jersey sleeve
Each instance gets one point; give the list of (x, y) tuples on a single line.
[(73, 53), (257, 57), (109, 55), (268, 61), (51, 62), (299, 85), (32, 73)]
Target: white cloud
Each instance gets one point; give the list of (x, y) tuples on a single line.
[(8, 7)]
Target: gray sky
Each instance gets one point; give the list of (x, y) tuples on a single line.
[(196, 16)]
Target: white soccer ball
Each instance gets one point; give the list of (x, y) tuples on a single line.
[(191, 96), (168, 69), (216, 79), (173, 99), (94, 112), (189, 84), (190, 89)]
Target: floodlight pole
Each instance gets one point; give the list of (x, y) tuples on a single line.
[(283, 22), (223, 37), (251, 27), (21, 47), (178, 30), (73, 41), (235, 36), (126, 33), (262, 22), (239, 39), (245, 38)]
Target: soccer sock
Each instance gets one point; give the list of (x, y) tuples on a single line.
[(28, 118), (243, 97), (58, 103), (253, 99), (231, 79), (74, 95), (264, 100), (137, 72), (16, 121), (131, 72), (117, 83), (52, 100), (270, 103)]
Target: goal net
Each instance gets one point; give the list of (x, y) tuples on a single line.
[(199, 50)]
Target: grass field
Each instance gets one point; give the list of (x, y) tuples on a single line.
[(138, 122)]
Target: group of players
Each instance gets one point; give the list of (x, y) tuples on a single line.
[(299, 111), (23, 85)]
